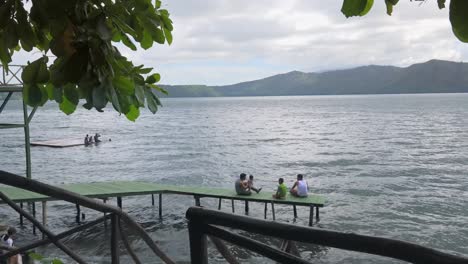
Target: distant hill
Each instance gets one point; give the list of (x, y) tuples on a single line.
[(434, 76)]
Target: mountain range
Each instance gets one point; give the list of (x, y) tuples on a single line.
[(434, 76)]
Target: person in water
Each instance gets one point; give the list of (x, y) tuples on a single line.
[(96, 138), (281, 191), (250, 184), (7, 240), (241, 185), (86, 140), (300, 188)]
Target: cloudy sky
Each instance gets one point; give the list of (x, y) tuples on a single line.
[(220, 42)]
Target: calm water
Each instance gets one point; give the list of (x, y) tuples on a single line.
[(389, 165)]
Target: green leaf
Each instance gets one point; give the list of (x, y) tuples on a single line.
[(127, 42), (99, 98), (157, 88), (57, 261), (168, 35), (145, 70), (390, 4), (32, 94), (50, 91), (36, 72), (151, 101), (5, 13), (71, 94), (146, 41), (114, 99), (167, 22), (124, 85), (356, 7), (459, 19), (154, 78), (58, 94), (102, 29), (67, 107), (35, 256), (140, 94), (158, 35), (441, 4), (133, 113)]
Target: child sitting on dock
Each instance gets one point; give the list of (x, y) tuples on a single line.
[(250, 184), (300, 188), (241, 185), (281, 191)]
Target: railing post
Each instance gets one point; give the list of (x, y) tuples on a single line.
[(198, 245), (115, 239)]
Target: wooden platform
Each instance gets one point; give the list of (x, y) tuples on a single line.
[(62, 143), (104, 190)]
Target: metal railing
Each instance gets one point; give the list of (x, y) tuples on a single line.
[(115, 214), (205, 223)]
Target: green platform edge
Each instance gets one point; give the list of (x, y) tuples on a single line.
[(134, 188)]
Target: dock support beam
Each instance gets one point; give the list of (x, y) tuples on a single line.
[(311, 216), (119, 202), (21, 216), (219, 204), (78, 212), (115, 239), (233, 208), (34, 215), (266, 210), (197, 201), (273, 210), (317, 214), (105, 218), (246, 207), (198, 244), (152, 199), (160, 205), (295, 211), (44, 216)]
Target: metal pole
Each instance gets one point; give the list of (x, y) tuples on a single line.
[(27, 141), (273, 210), (295, 211), (311, 216), (115, 239), (246, 207), (219, 204), (78, 213), (119, 202), (233, 208), (152, 199), (44, 216), (266, 209), (317, 215), (160, 205)]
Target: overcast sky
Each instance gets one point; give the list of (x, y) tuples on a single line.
[(220, 42)]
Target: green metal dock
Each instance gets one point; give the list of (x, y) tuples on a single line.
[(119, 189)]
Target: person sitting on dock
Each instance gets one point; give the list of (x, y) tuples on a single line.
[(241, 185), (281, 191), (7, 241), (96, 138), (86, 140), (300, 188), (250, 184), (90, 140)]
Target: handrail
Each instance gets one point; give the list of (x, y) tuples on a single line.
[(202, 222), (61, 194)]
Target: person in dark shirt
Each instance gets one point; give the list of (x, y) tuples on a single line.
[(241, 185)]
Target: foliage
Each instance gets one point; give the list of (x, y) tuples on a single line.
[(458, 13), (80, 34), (43, 260)]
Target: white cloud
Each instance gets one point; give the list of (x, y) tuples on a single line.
[(226, 41)]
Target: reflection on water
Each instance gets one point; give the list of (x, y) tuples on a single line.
[(389, 165)]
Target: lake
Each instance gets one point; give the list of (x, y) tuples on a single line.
[(389, 165)]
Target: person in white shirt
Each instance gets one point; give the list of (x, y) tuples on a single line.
[(7, 240), (300, 187)]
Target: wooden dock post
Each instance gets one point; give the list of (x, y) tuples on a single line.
[(295, 211), (197, 200), (266, 209), (34, 215), (160, 205), (246, 207), (152, 199), (21, 216), (44, 216), (119, 202), (233, 208), (219, 204), (77, 213), (273, 210), (115, 239), (317, 216), (311, 216)]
